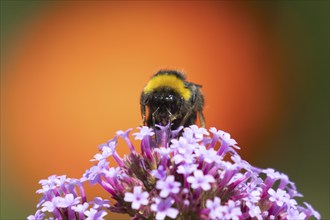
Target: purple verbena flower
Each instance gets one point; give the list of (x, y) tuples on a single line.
[(163, 208), (186, 168), (99, 203), (294, 214), (310, 211), (37, 216), (124, 135), (199, 180), (144, 131), (167, 186), (80, 207), (50, 206), (137, 198), (232, 210), (68, 200), (94, 214), (214, 208), (106, 152), (198, 132), (160, 173), (279, 197), (254, 210), (165, 152), (95, 173)]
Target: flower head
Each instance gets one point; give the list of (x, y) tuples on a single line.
[(192, 173)]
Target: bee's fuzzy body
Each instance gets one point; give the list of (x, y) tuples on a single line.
[(169, 98)]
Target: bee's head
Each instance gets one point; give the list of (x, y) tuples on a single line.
[(169, 98), (165, 105)]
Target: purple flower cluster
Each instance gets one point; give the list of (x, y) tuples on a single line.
[(181, 174), (65, 198)]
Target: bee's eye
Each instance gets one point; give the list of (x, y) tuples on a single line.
[(169, 98), (157, 98)]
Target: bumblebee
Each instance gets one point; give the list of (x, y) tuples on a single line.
[(169, 98)]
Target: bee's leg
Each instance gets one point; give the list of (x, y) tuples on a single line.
[(153, 117), (143, 113), (171, 118), (184, 120), (201, 119), (154, 123)]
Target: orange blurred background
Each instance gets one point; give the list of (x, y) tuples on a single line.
[(74, 71)]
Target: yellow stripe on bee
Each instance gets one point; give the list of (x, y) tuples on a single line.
[(168, 81)]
